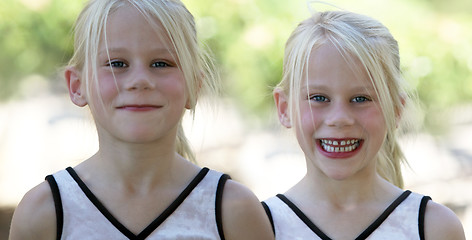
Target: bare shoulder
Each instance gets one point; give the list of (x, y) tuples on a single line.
[(35, 216), (243, 214), (442, 223)]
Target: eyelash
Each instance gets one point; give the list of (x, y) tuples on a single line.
[(319, 98), (113, 64), (160, 64), (364, 99), (121, 64), (356, 99)]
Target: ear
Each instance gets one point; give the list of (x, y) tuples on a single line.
[(188, 104), (198, 87), (281, 102), (399, 110), (75, 86)]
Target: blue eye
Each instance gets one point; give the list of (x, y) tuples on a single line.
[(319, 98), (117, 64), (361, 99), (160, 64)]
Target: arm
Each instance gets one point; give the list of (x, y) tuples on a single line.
[(442, 223), (35, 216), (243, 214)]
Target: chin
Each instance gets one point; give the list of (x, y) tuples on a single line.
[(338, 173), (139, 137)]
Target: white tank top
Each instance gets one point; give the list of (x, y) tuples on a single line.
[(403, 219), (193, 215)]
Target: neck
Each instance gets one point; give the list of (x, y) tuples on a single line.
[(137, 164), (345, 193)]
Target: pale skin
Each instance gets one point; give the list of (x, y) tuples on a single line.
[(341, 192), (136, 163)]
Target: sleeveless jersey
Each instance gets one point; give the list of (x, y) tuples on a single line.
[(403, 219), (194, 214)]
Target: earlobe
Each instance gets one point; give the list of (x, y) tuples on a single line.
[(74, 84), (281, 102), (189, 105), (399, 110)]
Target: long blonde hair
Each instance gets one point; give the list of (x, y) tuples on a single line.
[(195, 63), (360, 37)]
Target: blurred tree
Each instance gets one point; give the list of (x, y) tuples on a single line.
[(247, 38), (35, 39)]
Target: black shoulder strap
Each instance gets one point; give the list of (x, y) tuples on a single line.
[(269, 215), (424, 202), (219, 198), (384, 215), (56, 195)]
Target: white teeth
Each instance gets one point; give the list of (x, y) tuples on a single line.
[(347, 145)]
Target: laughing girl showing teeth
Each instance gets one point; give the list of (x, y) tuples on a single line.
[(343, 94)]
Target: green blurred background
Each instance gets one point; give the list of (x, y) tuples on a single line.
[(247, 39)]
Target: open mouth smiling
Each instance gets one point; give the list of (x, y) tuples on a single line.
[(340, 145)]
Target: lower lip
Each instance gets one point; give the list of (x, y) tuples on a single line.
[(138, 109), (338, 154)]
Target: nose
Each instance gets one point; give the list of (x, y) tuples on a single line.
[(140, 79), (339, 115)]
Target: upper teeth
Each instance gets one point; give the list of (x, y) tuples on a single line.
[(346, 145)]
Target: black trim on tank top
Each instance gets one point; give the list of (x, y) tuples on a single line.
[(154, 224), (422, 211), (56, 195), (303, 217), (269, 215), (384, 215), (369, 230), (218, 202)]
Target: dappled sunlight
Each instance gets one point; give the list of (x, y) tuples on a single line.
[(36, 5)]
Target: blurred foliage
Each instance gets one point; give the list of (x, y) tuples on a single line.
[(247, 38), (35, 38)]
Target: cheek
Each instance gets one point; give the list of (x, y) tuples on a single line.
[(373, 119), (107, 87), (174, 86), (310, 118), (307, 124), (102, 93)]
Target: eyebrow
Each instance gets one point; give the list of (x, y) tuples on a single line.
[(323, 87), (119, 49)]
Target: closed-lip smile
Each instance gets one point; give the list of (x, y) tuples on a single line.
[(139, 107)]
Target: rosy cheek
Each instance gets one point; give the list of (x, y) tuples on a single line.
[(174, 84), (374, 118), (311, 118), (107, 87)]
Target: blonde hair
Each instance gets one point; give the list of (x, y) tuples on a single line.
[(195, 63), (356, 37)]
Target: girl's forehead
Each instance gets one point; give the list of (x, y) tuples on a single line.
[(127, 26), (128, 15), (330, 64), (330, 54)]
